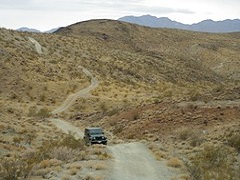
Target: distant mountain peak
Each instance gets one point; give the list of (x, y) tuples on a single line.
[(26, 29), (207, 25)]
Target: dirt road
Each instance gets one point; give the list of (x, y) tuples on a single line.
[(82, 93), (130, 161), (135, 161), (66, 127), (37, 45)]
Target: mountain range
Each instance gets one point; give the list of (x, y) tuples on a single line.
[(26, 29), (208, 25)]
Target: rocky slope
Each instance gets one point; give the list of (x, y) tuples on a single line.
[(151, 82)]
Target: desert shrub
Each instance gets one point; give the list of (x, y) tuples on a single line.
[(118, 129), (113, 112), (194, 137), (97, 166), (42, 98), (168, 93), (158, 153), (195, 97), (49, 163), (42, 113), (233, 139), (66, 177), (64, 153), (73, 171), (175, 162), (92, 177), (32, 111), (184, 133), (14, 96), (15, 168), (71, 142), (135, 116), (212, 162), (68, 141), (103, 107)]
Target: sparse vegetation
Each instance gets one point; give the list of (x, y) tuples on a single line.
[(13, 169), (175, 162), (146, 78), (212, 162), (233, 139), (42, 113), (159, 154)]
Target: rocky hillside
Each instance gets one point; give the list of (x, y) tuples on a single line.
[(149, 80), (133, 64), (174, 50)]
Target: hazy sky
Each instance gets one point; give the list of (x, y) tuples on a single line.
[(47, 14)]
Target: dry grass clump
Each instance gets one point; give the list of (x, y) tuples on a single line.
[(175, 162), (14, 168), (49, 163), (42, 113), (158, 153), (194, 137), (65, 149), (64, 153), (233, 139), (66, 177), (99, 152), (92, 177), (51, 154), (97, 166), (213, 162), (184, 133), (73, 171)]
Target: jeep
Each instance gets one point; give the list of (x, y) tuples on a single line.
[(94, 135)]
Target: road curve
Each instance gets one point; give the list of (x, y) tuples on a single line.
[(82, 93), (67, 127)]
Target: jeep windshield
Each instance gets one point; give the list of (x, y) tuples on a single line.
[(95, 131)]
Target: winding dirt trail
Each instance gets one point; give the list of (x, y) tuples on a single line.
[(131, 161), (37, 45), (67, 128), (82, 93)]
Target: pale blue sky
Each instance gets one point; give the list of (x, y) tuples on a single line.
[(47, 14)]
